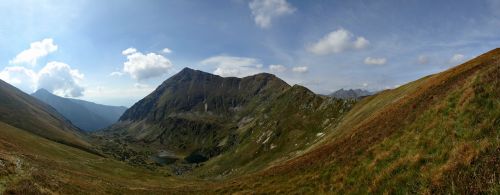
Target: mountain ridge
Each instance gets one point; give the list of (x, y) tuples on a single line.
[(86, 115)]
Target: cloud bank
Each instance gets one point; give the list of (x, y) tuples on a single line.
[(56, 77)]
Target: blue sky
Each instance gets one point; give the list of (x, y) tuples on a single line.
[(76, 48)]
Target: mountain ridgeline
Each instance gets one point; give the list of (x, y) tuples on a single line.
[(20, 110), (259, 135), (195, 116), (350, 94), (85, 115)]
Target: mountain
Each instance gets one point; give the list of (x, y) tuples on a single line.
[(20, 110), (245, 122), (350, 94), (85, 115), (258, 135), (438, 135)]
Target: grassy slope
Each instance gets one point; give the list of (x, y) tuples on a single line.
[(437, 134), (295, 120), (31, 164), (23, 111)]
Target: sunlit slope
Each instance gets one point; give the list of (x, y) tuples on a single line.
[(32, 165), (25, 112), (278, 131), (439, 134)]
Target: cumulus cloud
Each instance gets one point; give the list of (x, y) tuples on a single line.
[(277, 68), (37, 49), (264, 11), (60, 79), (143, 66), (167, 50), (375, 61), (21, 77), (457, 58), (57, 77), (233, 66), (300, 69), (338, 41)]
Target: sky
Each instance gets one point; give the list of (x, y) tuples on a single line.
[(116, 52)]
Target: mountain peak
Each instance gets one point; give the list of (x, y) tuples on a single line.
[(187, 70), (350, 93), (42, 91)]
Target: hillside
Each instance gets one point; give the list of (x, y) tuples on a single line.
[(438, 134), (85, 115), (25, 112), (239, 124)]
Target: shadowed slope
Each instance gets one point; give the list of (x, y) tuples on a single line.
[(25, 112), (86, 115)]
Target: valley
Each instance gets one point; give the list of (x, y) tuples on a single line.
[(203, 133)]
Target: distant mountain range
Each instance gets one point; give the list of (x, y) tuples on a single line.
[(83, 114), (350, 93)]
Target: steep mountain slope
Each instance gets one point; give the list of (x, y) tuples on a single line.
[(439, 134), (85, 115), (194, 110), (30, 164), (25, 112), (350, 94), (241, 124)]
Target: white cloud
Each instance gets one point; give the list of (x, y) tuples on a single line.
[(233, 66), (21, 77), (264, 11), (119, 74), (365, 84), (375, 61), (457, 58), (57, 77), (37, 49), (277, 68), (143, 66), (60, 79), (338, 41), (300, 69), (167, 50), (129, 51), (422, 59)]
